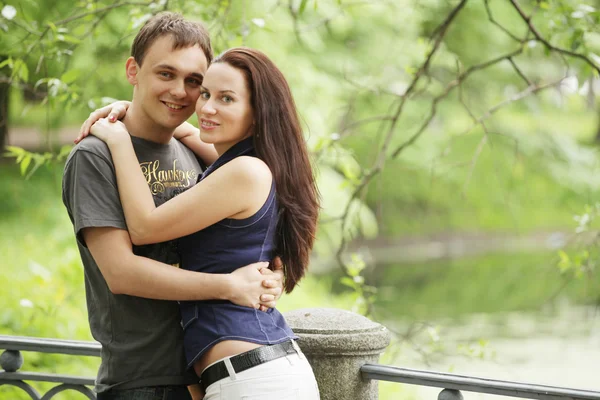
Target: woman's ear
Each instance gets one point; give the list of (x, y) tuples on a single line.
[(131, 70)]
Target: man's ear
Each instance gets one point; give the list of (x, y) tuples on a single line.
[(131, 70)]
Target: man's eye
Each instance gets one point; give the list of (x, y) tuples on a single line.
[(195, 82), (165, 74)]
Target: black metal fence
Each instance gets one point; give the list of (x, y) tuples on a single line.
[(11, 361), (453, 384)]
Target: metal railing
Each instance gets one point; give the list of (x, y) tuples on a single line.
[(453, 384), (11, 361)]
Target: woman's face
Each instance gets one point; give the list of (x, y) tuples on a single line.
[(223, 108)]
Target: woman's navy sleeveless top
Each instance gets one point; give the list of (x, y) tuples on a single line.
[(223, 248)]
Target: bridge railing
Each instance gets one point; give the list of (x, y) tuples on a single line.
[(342, 347), (11, 362), (453, 384)]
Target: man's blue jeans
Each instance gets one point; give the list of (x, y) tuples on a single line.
[(148, 393)]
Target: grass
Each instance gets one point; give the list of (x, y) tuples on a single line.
[(43, 295)]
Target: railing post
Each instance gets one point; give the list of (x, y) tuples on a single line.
[(337, 343), (450, 394), (11, 360)]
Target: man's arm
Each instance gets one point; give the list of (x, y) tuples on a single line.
[(127, 273)]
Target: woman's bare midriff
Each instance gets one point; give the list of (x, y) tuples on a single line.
[(226, 348)]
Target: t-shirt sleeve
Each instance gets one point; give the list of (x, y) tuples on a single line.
[(90, 193)]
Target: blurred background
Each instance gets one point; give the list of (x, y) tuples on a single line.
[(456, 148)]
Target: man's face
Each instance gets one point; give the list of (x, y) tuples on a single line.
[(167, 84)]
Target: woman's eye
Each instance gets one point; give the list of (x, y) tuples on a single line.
[(227, 99), (205, 95)]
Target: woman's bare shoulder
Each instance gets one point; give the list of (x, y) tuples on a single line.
[(249, 169)]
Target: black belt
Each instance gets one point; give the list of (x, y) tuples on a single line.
[(244, 361)]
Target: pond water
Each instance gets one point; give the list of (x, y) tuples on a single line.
[(504, 316), (557, 349)]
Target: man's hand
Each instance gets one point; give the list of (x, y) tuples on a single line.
[(247, 288), (114, 111)]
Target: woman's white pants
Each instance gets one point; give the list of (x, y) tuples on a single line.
[(286, 378)]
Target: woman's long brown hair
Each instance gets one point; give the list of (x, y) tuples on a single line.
[(279, 142)]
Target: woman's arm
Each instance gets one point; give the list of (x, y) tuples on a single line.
[(240, 186), (114, 111), (187, 133)]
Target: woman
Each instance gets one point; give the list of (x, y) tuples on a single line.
[(258, 199)]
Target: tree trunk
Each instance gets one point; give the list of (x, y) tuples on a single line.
[(597, 138), (4, 91)]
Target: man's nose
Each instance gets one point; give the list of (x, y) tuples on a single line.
[(178, 89)]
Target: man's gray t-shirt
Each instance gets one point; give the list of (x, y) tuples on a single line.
[(141, 338)]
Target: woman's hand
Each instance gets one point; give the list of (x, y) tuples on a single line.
[(247, 288), (186, 130), (114, 111), (109, 132)]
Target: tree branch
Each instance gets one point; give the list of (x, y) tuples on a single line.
[(380, 161), (493, 21), (458, 81), (521, 74), (519, 96), (546, 43), (103, 9)]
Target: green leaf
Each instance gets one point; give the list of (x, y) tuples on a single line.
[(565, 262), (70, 76), (64, 152), (577, 39), (346, 281), (15, 149), (15, 152), (52, 26), (39, 82), (68, 39), (547, 51), (25, 164), (23, 72), (6, 62), (302, 6)]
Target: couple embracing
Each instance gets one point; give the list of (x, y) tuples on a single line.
[(184, 263)]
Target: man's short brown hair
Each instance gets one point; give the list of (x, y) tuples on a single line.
[(185, 34)]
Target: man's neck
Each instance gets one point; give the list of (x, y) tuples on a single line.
[(139, 125)]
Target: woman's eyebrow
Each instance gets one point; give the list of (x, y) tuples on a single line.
[(220, 91)]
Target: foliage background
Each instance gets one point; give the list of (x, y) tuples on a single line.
[(426, 119)]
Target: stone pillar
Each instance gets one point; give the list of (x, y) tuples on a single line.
[(337, 343)]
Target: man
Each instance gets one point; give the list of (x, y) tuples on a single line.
[(130, 290)]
